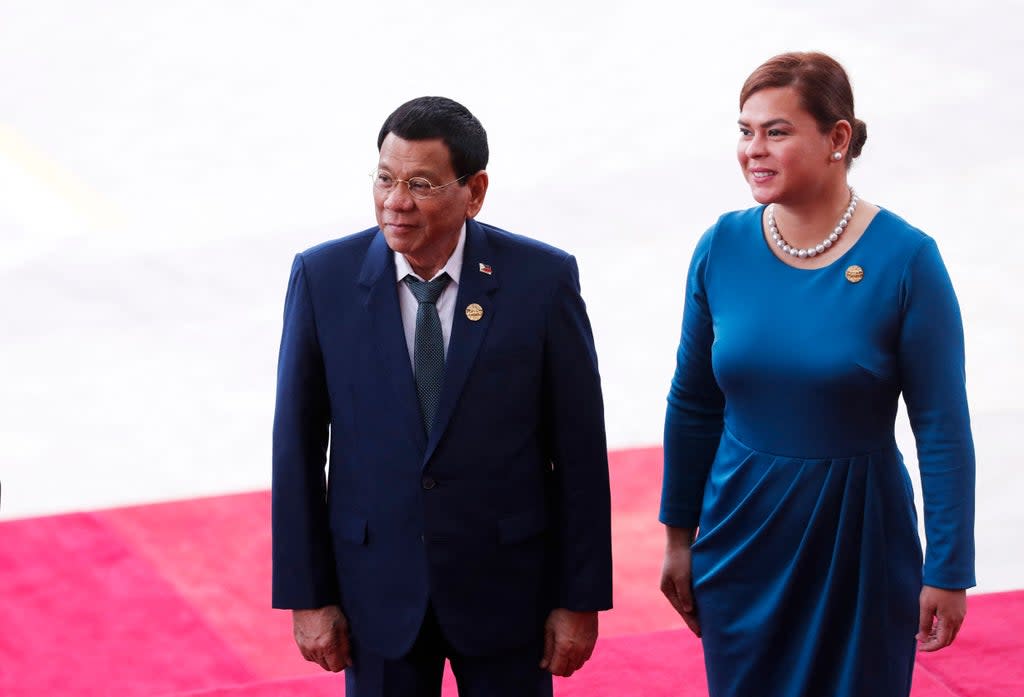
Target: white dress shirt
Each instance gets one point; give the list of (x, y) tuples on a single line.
[(445, 304)]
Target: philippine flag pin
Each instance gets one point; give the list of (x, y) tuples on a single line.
[(486, 268)]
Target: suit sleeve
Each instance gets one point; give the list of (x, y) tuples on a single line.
[(694, 416), (931, 360), (303, 560), (578, 450)]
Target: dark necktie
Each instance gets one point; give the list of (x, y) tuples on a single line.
[(428, 349)]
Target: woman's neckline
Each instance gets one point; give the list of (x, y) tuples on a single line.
[(766, 243)]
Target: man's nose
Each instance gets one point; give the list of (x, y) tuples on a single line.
[(399, 197)]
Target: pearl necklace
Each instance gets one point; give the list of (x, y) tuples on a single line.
[(773, 230)]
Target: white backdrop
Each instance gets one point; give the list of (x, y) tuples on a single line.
[(160, 163)]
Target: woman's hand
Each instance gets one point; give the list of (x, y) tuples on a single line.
[(942, 613), (676, 576)]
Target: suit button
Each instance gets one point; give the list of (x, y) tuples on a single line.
[(429, 483)]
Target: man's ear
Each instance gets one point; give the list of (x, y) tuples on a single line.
[(477, 184)]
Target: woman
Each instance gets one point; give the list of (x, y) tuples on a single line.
[(805, 319)]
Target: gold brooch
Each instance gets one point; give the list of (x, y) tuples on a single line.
[(474, 312), (854, 274)]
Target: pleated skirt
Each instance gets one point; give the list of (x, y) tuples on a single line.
[(807, 574)]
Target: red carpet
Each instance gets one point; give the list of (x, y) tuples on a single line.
[(84, 614), (172, 599)]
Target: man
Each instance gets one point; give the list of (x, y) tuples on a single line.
[(451, 368)]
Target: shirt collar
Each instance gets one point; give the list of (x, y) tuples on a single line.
[(453, 268)]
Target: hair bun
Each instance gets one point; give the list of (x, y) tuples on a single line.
[(857, 138)]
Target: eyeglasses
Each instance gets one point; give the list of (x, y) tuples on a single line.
[(385, 182)]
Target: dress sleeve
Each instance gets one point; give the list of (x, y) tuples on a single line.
[(931, 360), (693, 420)]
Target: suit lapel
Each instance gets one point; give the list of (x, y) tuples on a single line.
[(475, 286), (377, 278)]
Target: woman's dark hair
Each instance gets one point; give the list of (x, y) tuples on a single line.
[(424, 118), (823, 86)]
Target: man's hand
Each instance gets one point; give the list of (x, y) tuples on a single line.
[(569, 639), (677, 577), (322, 637), (942, 613)]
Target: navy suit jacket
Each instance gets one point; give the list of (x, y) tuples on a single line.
[(502, 511)]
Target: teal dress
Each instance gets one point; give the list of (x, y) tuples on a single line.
[(780, 446)]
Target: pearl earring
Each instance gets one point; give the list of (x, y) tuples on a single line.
[(837, 156)]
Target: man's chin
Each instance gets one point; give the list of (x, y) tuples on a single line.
[(400, 240)]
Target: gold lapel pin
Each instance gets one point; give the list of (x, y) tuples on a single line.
[(854, 274), (474, 312)]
